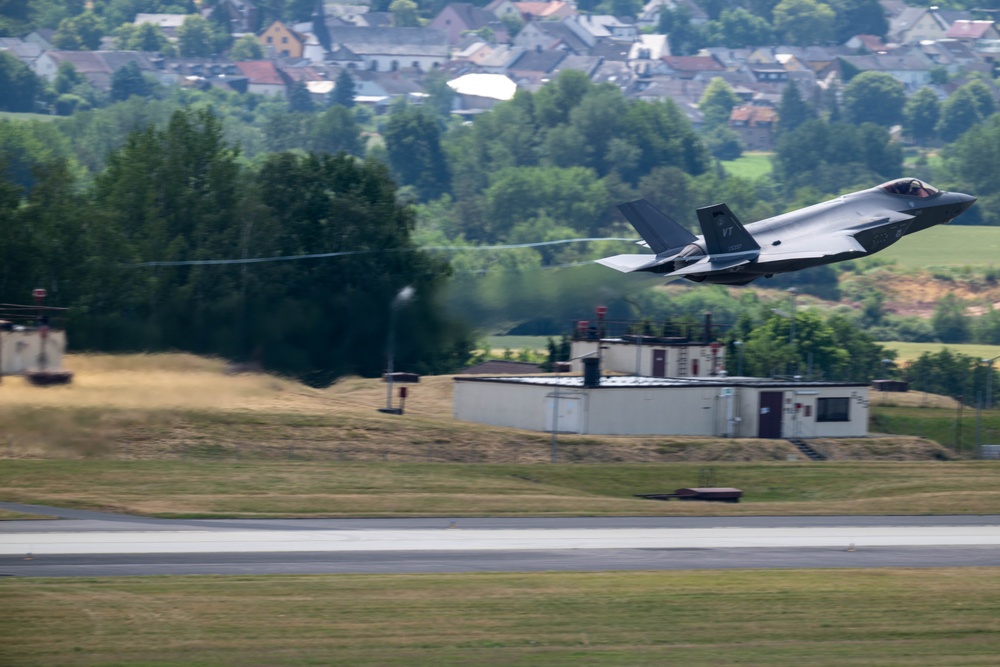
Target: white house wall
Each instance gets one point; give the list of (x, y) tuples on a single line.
[(19, 351), (500, 404), (627, 357), (656, 410)]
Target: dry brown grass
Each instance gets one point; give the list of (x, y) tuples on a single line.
[(180, 405)]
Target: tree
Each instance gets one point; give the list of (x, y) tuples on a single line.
[(335, 130), (299, 99), (80, 33), (685, 37), (724, 143), (738, 28), (792, 110), (127, 81), (442, 96), (144, 37), (404, 14), (15, 16), (985, 104), (717, 102), (874, 97), (944, 372), (246, 48), (959, 113), (971, 161), (950, 322), (920, 115), (196, 38), (323, 319), (343, 90), (18, 85), (554, 101), (804, 22), (858, 17), (571, 198), (412, 139)]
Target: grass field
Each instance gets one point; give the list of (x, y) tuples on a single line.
[(947, 246), (173, 435), (910, 351), (9, 115), (517, 343), (239, 488), (822, 618), (749, 165)]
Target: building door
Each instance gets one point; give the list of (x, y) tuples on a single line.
[(659, 363), (563, 413), (769, 424)]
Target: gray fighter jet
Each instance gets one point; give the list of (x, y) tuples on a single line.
[(848, 227)]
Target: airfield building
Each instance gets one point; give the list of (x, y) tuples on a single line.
[(737, 407)]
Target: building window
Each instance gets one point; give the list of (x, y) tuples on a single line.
[(833, 410), (270, 39), (284, 40)]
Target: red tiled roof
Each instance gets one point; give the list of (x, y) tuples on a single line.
[(752, 115), (968, 29), (260, 72)]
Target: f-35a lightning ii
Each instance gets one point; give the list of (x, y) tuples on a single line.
[(848, 227)]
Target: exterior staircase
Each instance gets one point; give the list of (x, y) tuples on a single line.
[(804, 447)]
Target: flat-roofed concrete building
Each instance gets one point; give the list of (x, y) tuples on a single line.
[(738, 407)]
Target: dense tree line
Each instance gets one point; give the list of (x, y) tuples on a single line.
[(183, 193)]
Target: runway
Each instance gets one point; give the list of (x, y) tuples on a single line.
[(82, 543)]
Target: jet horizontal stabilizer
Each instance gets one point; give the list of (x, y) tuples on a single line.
[(707, 265), (630, 263)]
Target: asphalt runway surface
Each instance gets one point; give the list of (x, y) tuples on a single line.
[(84, 543)]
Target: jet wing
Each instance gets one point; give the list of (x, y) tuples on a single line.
[(812, 247)]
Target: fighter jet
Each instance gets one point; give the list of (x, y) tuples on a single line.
[(729, 253)]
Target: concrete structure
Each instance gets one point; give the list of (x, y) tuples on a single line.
[(630, 405), (20, 349), (649, 356)]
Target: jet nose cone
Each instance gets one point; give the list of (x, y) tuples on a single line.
[(965, 200)]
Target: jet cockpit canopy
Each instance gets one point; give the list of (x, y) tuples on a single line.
[(911, 187)]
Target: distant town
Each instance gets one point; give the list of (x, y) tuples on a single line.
[(486, 54)]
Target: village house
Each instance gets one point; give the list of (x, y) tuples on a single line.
[(916, 24), (168, 23), (755, 126), (263, 77), (550, 35), (391, 49), (97, 67), (459, 18), (280, 40), (973, 32)]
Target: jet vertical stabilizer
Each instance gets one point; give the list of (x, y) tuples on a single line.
[(724, 233), (659, 230)]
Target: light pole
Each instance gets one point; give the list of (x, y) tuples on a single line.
[(988, 399), (402, 297), (791, 331), (989, 381), (739, 357), (791, 324)]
